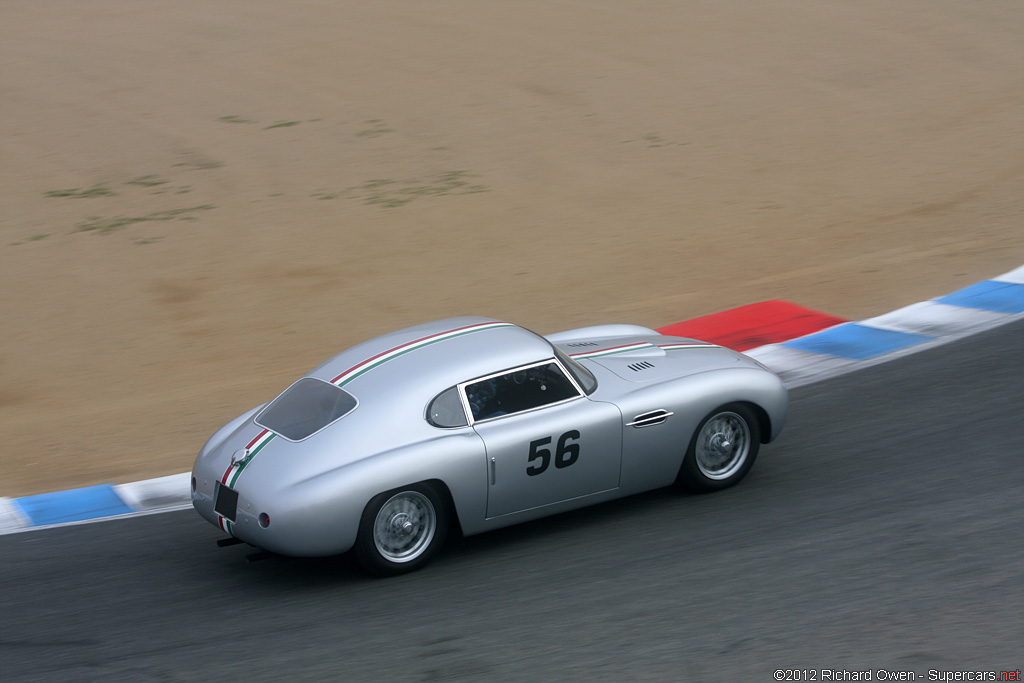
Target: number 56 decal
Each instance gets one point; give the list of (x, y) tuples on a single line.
[(565, 453)]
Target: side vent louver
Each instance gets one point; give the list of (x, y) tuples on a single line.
[(642, 365), (651, 418)]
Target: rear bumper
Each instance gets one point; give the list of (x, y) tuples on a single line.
[(302, 524)]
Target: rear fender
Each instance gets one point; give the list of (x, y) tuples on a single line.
[(336, 498)]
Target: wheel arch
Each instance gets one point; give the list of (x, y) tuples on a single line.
[(764, 421), (446, 494)]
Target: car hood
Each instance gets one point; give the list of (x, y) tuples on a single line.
[(639, 354)]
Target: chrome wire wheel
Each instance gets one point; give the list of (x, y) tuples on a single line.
[(722, 446), (404, 527)]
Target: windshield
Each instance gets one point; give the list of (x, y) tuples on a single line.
[(586, 380)]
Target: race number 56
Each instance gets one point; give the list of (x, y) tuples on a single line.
[(566, 453)]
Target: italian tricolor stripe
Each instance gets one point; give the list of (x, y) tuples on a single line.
[(233, 471), (639, 346), (688, 345), (266, 436), (612, 351), (383, 357)]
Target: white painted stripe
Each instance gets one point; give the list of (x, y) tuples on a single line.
[(797, 368), (403, 349), (1015, 276), (261, 439), (934, 319), (11, 518), (676, 347), (163, 493), (91, 520), (613, 351)]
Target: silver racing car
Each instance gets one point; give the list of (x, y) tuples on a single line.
[(481, 424)]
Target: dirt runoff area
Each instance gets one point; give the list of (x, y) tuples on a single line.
[(200, 200)]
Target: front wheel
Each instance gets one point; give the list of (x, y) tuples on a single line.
[(401, 530), (722, 450)]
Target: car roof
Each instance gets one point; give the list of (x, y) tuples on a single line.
[(431, 357)]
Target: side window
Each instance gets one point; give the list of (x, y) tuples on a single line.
[(446, 410), (519, 390)]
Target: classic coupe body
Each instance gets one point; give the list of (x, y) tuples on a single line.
[(481, 424)]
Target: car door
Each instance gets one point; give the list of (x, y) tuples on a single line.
[(545, 441)]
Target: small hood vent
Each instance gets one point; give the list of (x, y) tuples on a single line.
[(642, 365), (578, 344)]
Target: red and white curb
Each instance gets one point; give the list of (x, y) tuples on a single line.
[(801, 345)]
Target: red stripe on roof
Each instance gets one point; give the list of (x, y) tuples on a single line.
[(611, 348), (258, 437), (621, 346), (402, 346)]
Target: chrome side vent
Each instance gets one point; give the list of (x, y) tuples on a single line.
[(578, 344), (642, 365), (648, 419)]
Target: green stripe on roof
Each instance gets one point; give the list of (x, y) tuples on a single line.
[(390, 355)]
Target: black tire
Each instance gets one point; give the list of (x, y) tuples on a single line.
[(722, 450), (401, 530)]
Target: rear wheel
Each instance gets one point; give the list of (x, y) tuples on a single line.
[(401, 530), (722, 450)]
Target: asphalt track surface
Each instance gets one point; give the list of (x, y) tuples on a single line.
[(882, 531)]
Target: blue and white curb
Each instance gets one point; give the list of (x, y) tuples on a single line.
[(92, 503), (856, 345), (800, 361)]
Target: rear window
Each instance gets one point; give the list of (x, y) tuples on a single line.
[(305, 408)]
